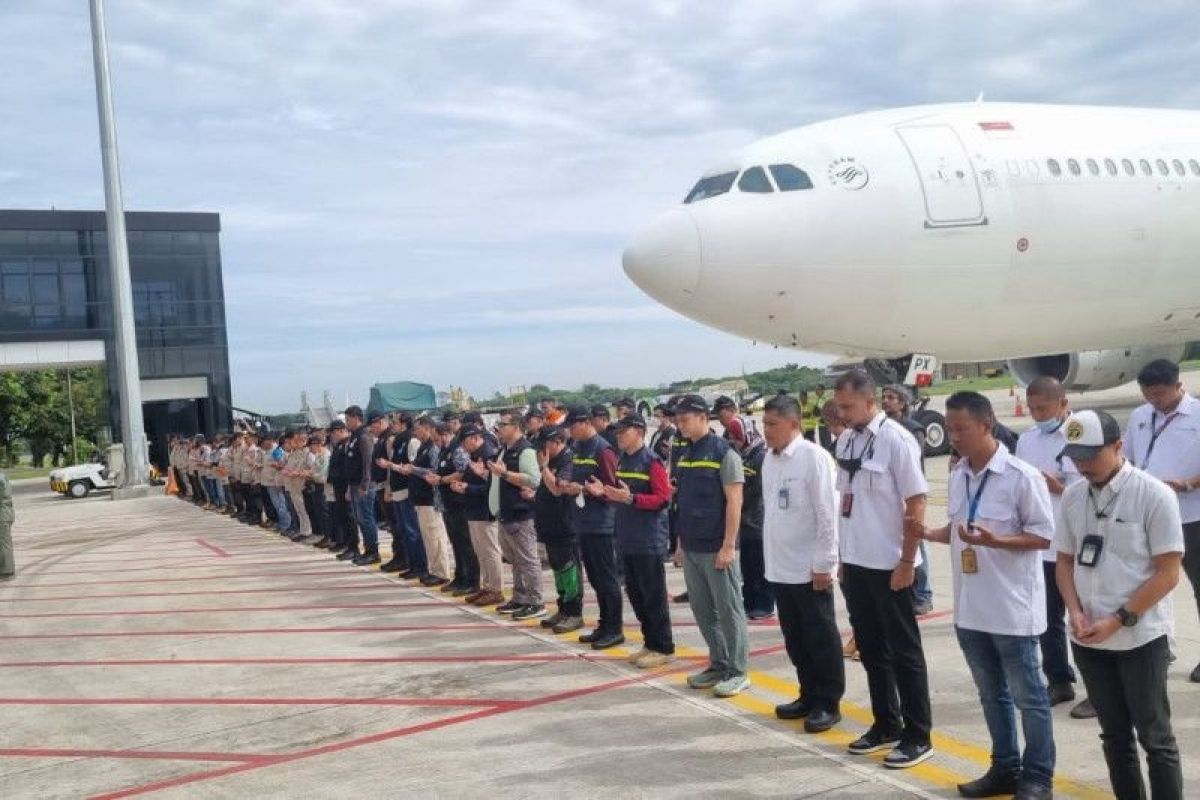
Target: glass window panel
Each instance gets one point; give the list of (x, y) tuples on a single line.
[(1145, 167), (1194, 166), (1162, 167), (1111, 166), (1127, 165), (755, 180), (1054, 167), (16, 288), (1073, 166), (45, 288), (790, 178), (1093, 167), (711, 187), (1179, 170)]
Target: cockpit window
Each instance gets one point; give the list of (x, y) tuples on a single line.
[(790, 178), (755, 180), (711, 186)]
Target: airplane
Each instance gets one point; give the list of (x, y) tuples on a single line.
[(1062, 239)]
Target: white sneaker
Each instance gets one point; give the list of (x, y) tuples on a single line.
[(633, 659), (731, 687), (652, 660)]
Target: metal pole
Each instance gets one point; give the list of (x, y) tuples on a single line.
[(129, 389), (71, 405)]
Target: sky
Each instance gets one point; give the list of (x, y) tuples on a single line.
[(441, 191)]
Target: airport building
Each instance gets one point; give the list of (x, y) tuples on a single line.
[(56, 309)]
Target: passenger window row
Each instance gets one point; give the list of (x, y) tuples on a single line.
[(1127, 167), (754, 180)]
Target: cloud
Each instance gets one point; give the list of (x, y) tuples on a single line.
[(443, 189)]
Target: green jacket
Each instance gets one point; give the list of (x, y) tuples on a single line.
[(6, 505)]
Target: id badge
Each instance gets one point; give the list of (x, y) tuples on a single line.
[(847, 505), (970, 561), (784, 499), (1090, 550)]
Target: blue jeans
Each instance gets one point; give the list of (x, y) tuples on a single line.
[(279, 500), (1006, 673), (921, 589), (364, 512), (406, 536)]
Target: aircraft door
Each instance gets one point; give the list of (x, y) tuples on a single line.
[(947, 176)]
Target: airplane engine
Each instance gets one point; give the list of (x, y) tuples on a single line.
[(1092, 370)]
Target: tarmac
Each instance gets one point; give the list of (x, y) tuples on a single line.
[(150, 648)]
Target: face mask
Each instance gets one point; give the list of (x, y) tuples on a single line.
[(1049, 425)]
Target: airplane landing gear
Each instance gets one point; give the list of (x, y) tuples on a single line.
[(885, 371)]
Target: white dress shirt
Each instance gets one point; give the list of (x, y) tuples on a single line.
[(873, 535), (1176, 452), (800, 507), (1141, 520), (1044, 452), (1007, 593)]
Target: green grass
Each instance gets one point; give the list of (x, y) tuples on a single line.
[(22, 471), (970, 385)]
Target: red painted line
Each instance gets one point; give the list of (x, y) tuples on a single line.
[(374, 586), (253, 631), (349, 573), (212, 547), (207, 563), (397, 733), (431, 702), (230, 610), (165, 755), (218, 662)]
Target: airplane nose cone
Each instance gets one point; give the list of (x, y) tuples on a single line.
[(664, 259)]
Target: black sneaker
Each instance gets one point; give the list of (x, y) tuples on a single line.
[(393, 566), (907, 754), (872, 741), (530, 612), (347, 555), (509, 608), (680, 598), (1195, 676), (1060, 693), (995, 782), (409, 574), (366, 559)]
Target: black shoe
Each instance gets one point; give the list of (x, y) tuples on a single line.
[(820, 720), (366, 559), (797, 709), (464, 590), (347, 555), (393, 566), (608, 640), (1083, 710), (432, 580), (588, 638), (1033, 791), (1195, 676), (759, 614), (530, 612), (1061, 693), (907, 754), (551, 621), (872, 741), (409, 574), (509, 608), (450, 587), (994, 783), (680, 598)]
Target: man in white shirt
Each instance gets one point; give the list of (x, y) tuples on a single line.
[(1163, 438), (882, 510), (1041, 446), (1120, 546), (801, 552), (1000, 520)]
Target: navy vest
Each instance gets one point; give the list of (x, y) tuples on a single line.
[(476, 497), (420, 492), (445, 467), (553, 516), (752, 494), (701, 495), (595, 516), (399, 480), (513, 507), (639, 532)]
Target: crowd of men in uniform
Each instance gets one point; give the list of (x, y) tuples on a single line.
[(1070, 529)]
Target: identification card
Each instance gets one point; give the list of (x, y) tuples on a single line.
[(1090, 550), (784, 499), (847, 504), (970, 561)]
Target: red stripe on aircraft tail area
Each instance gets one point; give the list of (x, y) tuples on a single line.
[(213, 547)]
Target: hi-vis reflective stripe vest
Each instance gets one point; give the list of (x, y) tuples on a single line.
[(595, 515), (637, 531), (701, 495)]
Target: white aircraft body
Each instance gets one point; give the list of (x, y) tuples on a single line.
[(1065, 239)]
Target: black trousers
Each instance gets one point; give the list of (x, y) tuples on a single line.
[(889, 642), (343, 519), (264, 497), (568, 581), (253, 503), (466, 564), (646, 584), (756, 590), (600, 564), (318, 513), (1055, 662), (185, 486), (199, 497), (1129, 691), (1191, 557), (814, 645)]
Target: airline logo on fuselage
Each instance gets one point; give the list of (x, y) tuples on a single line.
[(848, 174)]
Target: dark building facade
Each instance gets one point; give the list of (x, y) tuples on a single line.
[(56, 309)]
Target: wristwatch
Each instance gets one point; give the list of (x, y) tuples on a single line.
[(1127, 617)]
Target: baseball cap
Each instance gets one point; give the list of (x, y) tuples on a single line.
[(578, 414), (337, 425), (375, 416), (534, 413), (625, 402), (723, 402), (630, 421), (600, 411), (354, 411), (470, 430), (1089, 432), (691, 402), (551, 433)]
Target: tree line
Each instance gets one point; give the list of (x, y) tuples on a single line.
[(35, 414)]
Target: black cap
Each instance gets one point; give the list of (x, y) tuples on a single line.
[(600, 411), (472, 418), (724, 402), (354, 411), (469, 430), (625, 402), (315, 440), (451, 415), (534, 413), (691, 402), (337, 425), (375, 416), (630, 421), (578, 414), (404, 417), (551, 433)]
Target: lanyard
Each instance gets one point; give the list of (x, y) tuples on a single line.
[(973, 507), (1156, 432)]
